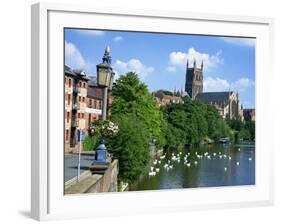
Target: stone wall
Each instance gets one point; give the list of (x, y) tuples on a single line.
[(106, 182)]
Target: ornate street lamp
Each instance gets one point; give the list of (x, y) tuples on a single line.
[(105, 77)]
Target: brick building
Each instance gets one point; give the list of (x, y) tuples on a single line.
[(167, 99), (83, 104)]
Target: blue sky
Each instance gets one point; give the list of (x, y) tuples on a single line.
[(160, 59)]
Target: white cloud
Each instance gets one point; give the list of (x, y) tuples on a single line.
[(133, 65), (250, 42), (218, 84), (117, 75), (91, 32), (73, 57), (171, 69), (180, 58), (242, 84), (117, 38), (215, 85)]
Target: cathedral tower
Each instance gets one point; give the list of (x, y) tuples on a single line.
[(194, 80)]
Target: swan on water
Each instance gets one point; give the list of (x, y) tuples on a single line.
[(152, 173)]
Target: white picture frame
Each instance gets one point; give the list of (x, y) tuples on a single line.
[(48, 201)]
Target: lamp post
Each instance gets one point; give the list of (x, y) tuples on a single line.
[(105, 77), (80, 139)]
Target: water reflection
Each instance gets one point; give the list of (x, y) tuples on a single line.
[(217, 165)]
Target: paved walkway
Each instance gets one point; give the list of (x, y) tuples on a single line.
[(71, 163)]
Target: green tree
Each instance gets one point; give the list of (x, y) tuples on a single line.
[(192, 122), (131, 147), (132, 97), (140, 122)]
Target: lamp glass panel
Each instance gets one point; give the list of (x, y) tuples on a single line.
[(102, 76)]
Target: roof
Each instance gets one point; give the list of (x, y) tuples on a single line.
[(68, 71), (94, 93), (78, 73), (92, 81), (214, 97)]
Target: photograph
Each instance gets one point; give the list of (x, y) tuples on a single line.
[(157, 111)]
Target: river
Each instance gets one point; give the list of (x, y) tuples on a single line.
[(202, 166)]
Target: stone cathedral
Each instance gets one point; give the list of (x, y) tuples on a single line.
[(227, 102)]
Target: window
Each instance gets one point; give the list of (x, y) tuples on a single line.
[(94, 104), (99, 104), (89, 120), (66, 135), (69, 82), (78, 115), (82, 115), (84, 85), (83, 99), (68, 99), (67, 116), (79, 98), (80, 84)]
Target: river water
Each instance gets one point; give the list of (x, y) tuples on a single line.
[(201, 166)]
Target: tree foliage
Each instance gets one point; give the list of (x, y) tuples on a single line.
[(140, 122), (130, 147), (90, 142), (245, 129), (192, 122)]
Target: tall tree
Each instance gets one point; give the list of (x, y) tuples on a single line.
[(140, 122)]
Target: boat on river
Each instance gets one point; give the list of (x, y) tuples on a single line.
[(224, 140)]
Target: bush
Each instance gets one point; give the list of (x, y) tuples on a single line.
[(90, 142), (131, 147)]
